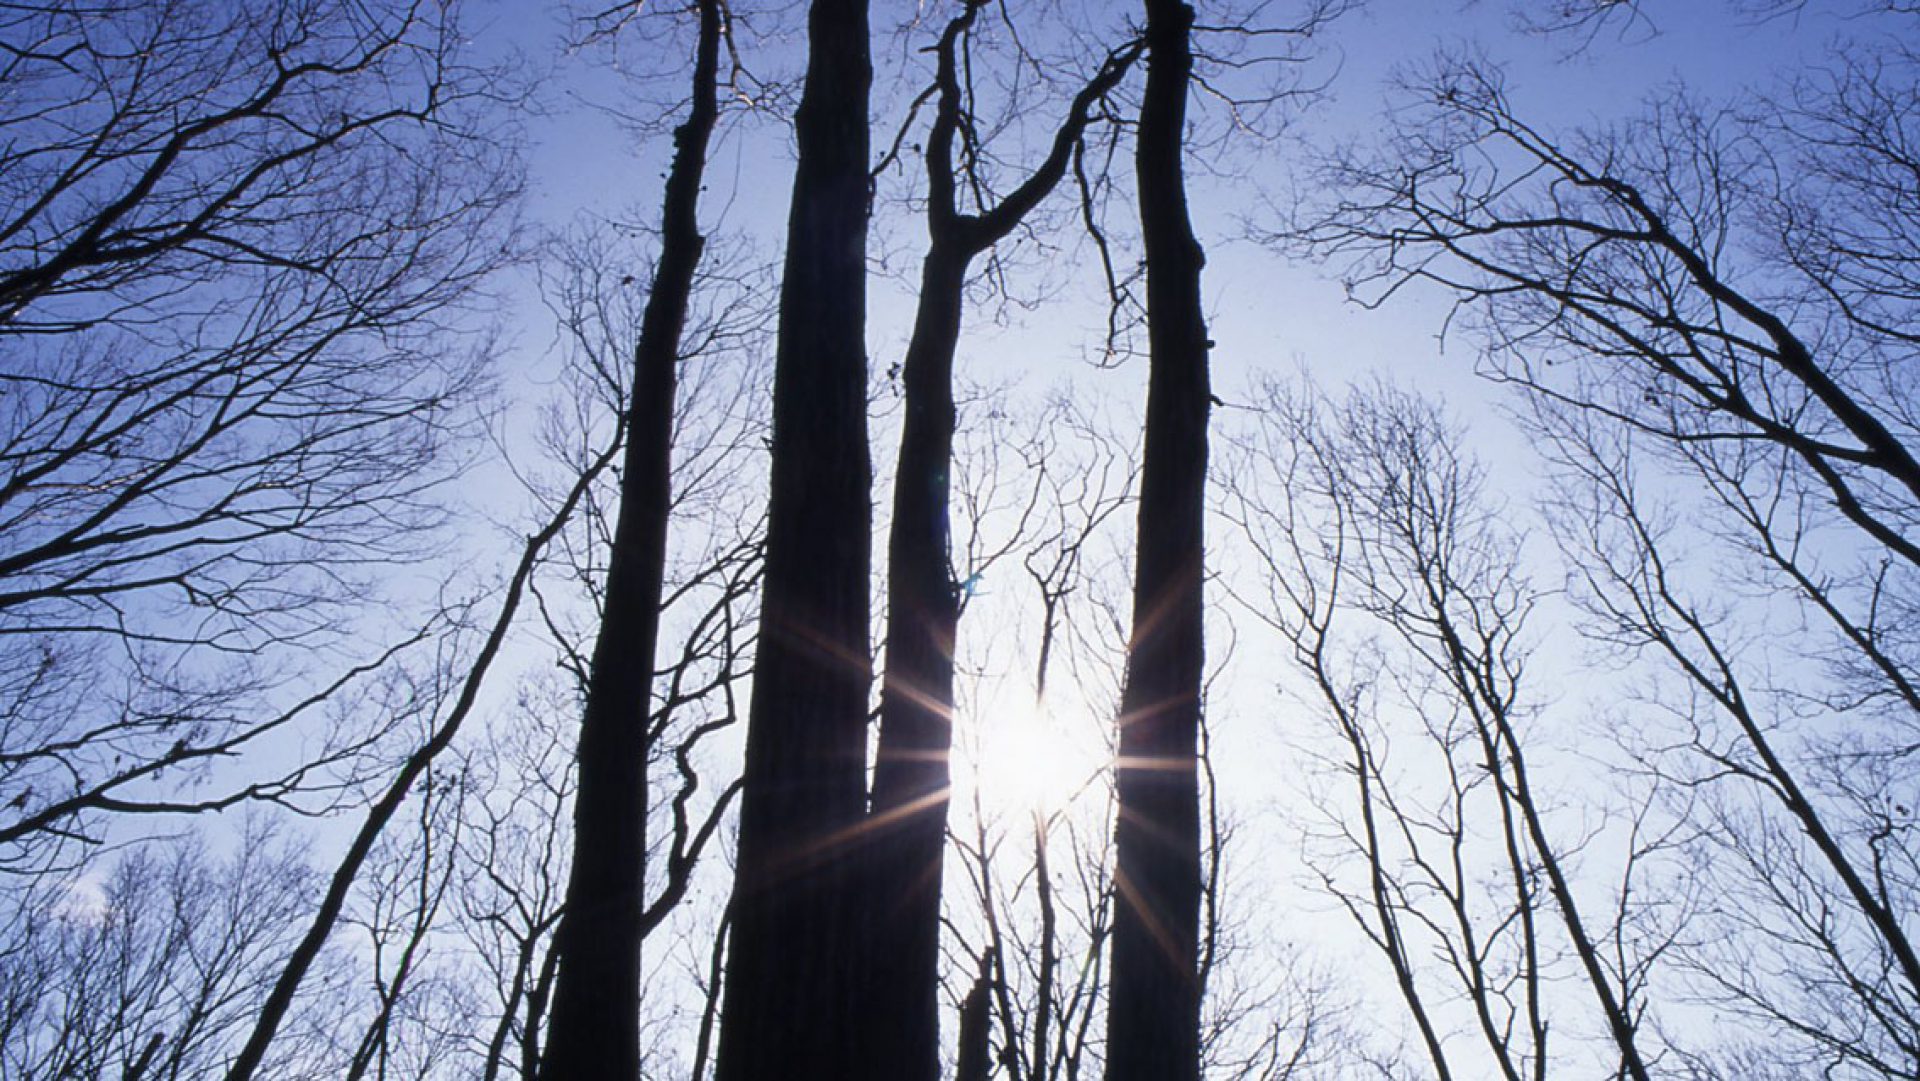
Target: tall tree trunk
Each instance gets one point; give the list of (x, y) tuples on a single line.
[(910, 789), (594, 1031), (908, 822), (1153, 1020), (791, 1000)]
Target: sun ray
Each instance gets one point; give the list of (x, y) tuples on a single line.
[(825, 849), (1156, 928)]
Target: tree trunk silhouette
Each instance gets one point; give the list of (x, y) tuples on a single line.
[(910, 793), (908, 824), (1153, 1018), (975, 1062), (594, 1031), (791, 1007)]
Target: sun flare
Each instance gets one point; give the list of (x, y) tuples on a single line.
[(1023, 759)]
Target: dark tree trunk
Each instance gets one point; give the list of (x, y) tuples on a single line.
[(908, 823), (1153, 1019), (910, 789), (594, 1031), (792, 1006), (975, 1061)]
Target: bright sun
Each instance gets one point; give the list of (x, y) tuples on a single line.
[(1023, 759)]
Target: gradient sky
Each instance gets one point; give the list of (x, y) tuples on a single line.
[(1269, 314)]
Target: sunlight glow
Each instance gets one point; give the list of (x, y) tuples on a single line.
[(1023, 759)]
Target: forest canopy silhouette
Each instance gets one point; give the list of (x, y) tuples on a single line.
[(978, 540)]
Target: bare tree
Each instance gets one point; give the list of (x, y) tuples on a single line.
[(1153, 1019), (513, 858), (446, 695), (794, 916), (1812, 860), (1585, 20), (234, 243), (422, 1004), (1028, 932), (1385, 568), (924, 591), (1031, 929), (150, 968), (1635, 248), (514, 833), (596, 1004), (1718, 298)]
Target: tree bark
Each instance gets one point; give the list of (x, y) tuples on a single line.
[(1153, 1018), (791, 998), (594, 1030)]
